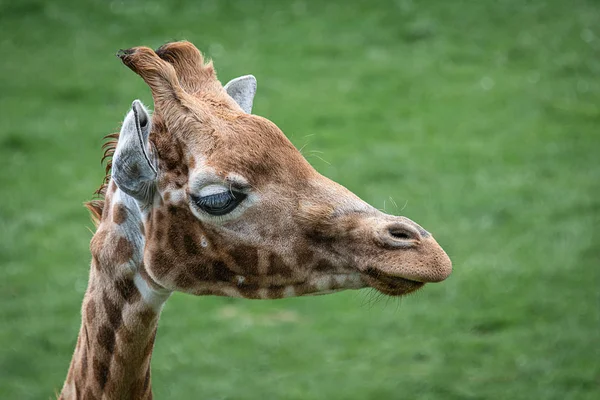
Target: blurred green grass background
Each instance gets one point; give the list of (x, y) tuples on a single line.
[(477, 119)]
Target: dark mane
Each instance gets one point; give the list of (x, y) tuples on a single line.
[(96, 206)]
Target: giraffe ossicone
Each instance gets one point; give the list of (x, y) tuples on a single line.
[(205, 198)]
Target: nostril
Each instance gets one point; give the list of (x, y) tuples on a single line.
[(398, 235), (403, 232)]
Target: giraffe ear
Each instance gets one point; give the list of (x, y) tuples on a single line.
[(132, 169), (242, 90)]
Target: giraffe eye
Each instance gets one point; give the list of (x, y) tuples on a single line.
[(219, 203)]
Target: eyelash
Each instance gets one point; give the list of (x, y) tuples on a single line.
[(219, 203)]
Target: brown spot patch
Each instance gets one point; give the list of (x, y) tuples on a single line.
[(123, 251), (203, 272), (147, 317), (113, 311), (101, 372), (246, 259), (90, 311), (161, 263), (127, 289), (278, 267), (159, 216), (324, 266), (183, 281), (106, 338), (221, 272), (119, 214), (190, 245), (304, 256)]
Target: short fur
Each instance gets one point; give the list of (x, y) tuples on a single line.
[(295, 233)]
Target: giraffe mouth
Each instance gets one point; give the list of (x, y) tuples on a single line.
[(390, 285)]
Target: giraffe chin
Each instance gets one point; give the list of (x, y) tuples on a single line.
[(391, 285)]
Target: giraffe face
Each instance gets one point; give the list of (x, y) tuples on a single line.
[(245, 215), (237, 211)]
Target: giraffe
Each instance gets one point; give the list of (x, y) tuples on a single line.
[(205, 198)]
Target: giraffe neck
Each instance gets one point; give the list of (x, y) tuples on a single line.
[(120, 310)]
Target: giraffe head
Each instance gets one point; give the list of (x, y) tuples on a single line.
[(232, 208)]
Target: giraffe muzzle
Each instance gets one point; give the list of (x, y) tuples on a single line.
[(407, 257)]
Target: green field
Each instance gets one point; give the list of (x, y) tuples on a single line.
[(478, 119)]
